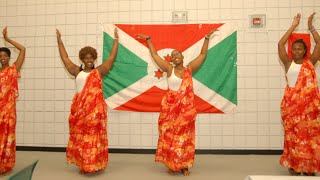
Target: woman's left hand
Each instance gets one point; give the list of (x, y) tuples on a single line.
[(310, 18), (116, 36), (211, 32), (142, 36)]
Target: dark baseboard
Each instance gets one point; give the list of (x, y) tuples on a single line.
[(36, 148), (153, 151)]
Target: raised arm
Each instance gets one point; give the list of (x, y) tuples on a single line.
[(71, 67), (316, 51), (22, 49), (281, 44), (196, 63), (105, 67), (164, 65)]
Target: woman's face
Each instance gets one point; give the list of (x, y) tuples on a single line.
[(88, 61), (298, 51), (4, 58), (176, 57)]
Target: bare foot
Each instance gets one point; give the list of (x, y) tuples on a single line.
[(185, 172), (309, 174), (99, 171), (293, 172), (6, 172), (170, 171)]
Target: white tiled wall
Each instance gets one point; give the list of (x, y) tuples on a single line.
[(46, 89)]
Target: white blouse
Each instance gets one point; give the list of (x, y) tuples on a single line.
[(174, 82), (293, 73), (81, 80)]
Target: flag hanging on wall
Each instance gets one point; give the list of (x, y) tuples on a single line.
[(135, 82)]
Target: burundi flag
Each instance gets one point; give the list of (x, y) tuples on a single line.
[(135, 82)]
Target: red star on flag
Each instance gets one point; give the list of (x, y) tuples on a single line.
[(158, 74), (167, 58)]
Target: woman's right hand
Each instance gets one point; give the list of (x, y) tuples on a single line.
[(296, 20), (58, 34), (142, 36), (5, 33)]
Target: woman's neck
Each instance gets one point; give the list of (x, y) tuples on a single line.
[(86, 69), (298, 61), (3, 66), (179, 67)]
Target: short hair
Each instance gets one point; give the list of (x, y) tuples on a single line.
[(6, 50), (88, 50), (304, 45)]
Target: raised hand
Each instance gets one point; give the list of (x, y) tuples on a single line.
[(316, 50), (22, 49), (296, 20), (211, 32), (58, 34), (5, 33), (142, 36), (310, 18), (116, 36), (105, 67), (70, 66)]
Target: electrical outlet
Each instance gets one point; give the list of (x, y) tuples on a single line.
[(179, 17), (257, 21)]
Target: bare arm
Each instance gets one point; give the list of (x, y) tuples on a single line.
[(22, 49), (196, 63), (281, 44), (105, 67), (164, 65), (316, 51), (71, 67)]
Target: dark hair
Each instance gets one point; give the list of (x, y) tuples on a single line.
[(304, 45), (6, 50), (88, 50)]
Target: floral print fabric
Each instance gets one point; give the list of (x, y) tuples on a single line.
[(88, 143), (300, 115), (8, 96), (176, 143)]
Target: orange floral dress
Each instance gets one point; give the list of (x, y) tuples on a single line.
[(88, 143), (176, 143), (300, 108), (8, 96)]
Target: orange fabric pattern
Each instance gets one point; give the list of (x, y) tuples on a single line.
[(300, 109), (176, 143), (8, 96), (88, 143)]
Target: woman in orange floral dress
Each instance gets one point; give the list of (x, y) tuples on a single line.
[(8, 95), (300, 105), (88, 143), (176, 143)]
